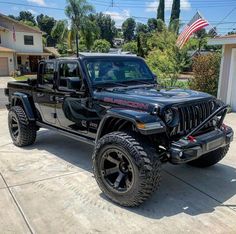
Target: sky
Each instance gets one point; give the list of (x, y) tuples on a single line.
[(220, 13)]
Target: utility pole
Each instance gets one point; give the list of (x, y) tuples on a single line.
[(112, 3)]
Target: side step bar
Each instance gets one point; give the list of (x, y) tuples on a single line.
[(67, 134)]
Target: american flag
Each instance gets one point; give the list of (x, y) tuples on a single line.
[(14, 33), (195, 24)]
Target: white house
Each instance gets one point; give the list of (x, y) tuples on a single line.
[(21, 46), (227, 80)]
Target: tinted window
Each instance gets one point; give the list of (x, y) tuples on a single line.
[(48, 73), (117, 69), (68, 71), (28, 40)]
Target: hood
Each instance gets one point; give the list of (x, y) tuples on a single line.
[(150, 97)]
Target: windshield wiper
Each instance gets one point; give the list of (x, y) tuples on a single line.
[(102, 86), (141, 82)]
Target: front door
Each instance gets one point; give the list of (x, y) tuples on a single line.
[(44, 95), (34, 61), (72, 108)]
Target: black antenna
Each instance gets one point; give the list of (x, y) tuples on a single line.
[(77, 44)]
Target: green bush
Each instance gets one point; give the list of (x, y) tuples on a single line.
[(101, 46), (206, 69), (131, 47)]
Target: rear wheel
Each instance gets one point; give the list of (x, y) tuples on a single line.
[(23, 132), (126, 170), (210, 158)]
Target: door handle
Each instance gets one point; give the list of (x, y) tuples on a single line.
[(40, 94)]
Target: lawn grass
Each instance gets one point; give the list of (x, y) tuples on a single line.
[(24, 77)]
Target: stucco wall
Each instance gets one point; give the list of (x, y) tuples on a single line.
[(18, 45), (225, 70), (21, 30), (10, 61)]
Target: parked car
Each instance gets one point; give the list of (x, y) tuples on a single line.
[(114, 103)]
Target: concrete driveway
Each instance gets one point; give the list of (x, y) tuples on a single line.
[(49, 188), (3, 84)]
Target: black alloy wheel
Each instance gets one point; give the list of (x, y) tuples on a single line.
[(117, 169)]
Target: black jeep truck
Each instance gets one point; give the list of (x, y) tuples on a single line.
[(115, 103)]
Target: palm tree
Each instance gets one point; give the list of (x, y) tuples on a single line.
[(78, 11)]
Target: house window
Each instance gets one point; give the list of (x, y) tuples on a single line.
[(29, 40)]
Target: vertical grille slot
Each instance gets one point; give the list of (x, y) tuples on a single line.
[(191, 116)]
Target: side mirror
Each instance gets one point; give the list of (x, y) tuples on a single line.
[(74, 83)]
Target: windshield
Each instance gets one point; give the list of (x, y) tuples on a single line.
[(117, 70)]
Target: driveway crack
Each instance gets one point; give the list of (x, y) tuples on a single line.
[(18, 206)]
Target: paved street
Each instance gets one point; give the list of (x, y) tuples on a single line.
[(49, 188)]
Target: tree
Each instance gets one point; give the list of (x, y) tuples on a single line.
[(128, 28), (161, 10), (25, 16), (77, 11), (160, 25), (201, 35), (152, 24), (141, 52), (165, 58), (141, 28), (89, 33), (59, 31), (174, 18), (106, 25), (13, 17), (101, 46), (46, 24), (130, 47)]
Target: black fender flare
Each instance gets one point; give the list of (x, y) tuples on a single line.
[(24, 98), (133, 116)]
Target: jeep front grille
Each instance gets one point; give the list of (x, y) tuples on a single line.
[(191, 116)]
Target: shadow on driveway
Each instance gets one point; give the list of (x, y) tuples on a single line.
[(184, 189)]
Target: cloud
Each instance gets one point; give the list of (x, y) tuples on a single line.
[(152, 6), (118, 17), (33, 12), (38, 2)]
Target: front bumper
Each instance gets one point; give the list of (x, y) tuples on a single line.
[(185, 150)]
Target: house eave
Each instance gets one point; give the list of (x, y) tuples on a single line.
[(222, 41), (33, 53)]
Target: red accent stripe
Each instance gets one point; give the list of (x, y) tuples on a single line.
[(182, 35), (190, 31), (196, 28)]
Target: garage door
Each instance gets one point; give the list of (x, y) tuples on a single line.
[(4, 71)]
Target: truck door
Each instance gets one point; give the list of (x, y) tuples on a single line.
[(73, 112), (44, 95)]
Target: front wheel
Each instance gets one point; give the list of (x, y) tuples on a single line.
[(210, 158), (126, 169), (22, 131)]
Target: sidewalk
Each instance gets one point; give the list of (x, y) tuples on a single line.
[(4, 80)]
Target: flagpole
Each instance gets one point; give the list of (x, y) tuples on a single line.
[(207, 21)]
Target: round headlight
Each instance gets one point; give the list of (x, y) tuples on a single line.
[(169, 116)]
